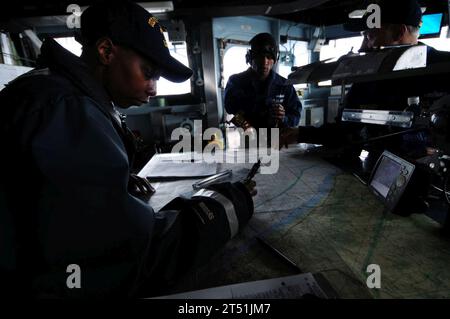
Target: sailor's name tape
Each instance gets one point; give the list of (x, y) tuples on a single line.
[(226, 203)]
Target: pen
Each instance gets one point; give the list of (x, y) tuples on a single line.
[(279, 254), (180, 160), (253, 170), (213, 179)]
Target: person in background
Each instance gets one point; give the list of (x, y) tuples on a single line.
[(400, 25), (260, 95)]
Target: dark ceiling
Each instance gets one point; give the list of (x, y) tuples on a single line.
[(316, 12), (336, 11)]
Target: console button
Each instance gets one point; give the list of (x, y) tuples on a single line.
[(401, 180)]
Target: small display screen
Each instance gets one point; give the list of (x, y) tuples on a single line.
[(431, 24), (385, 175)]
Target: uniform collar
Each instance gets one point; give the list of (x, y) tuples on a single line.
[(256, 81), (63, 62)]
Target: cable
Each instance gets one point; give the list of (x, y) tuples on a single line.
[(445, 190), (18, 57), (439, 189)]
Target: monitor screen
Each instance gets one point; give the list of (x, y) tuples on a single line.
[(385, 175), (431, 25)]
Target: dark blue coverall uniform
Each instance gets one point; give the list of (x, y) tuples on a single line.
[(65, 199), (245, 93)]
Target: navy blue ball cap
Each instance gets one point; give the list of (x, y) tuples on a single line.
[(264, 43), (130, 25), (406, 12)]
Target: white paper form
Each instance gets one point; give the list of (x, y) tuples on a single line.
[(177, 165), (291, 287)]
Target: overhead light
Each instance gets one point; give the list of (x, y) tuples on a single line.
[(357, 14), (157, 7)]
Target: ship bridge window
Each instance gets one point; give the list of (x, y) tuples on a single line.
[(70, 44), (293, 53), (339, 47), (441, 43), (179, 51), (234, 61)]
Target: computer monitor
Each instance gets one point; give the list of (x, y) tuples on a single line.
[(431, 25), (389, 178)]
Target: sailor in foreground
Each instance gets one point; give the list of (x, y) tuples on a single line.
[(260, 95), (66, 194)]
